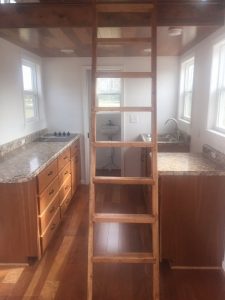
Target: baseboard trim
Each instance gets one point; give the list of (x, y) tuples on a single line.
[(194, 268)]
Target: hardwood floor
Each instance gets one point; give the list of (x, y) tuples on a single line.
[(61, 274)]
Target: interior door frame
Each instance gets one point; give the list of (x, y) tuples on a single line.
[(86, 119)]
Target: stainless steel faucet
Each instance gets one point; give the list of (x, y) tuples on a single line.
[(177, 131)]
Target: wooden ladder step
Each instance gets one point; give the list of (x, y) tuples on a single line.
[(124, 8), (135, 258), (118, 41), (119, 144), (124, 218), (125, 109), (123, 180), (107, 74)]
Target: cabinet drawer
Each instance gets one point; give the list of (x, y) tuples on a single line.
[(47, 175), (75, 148), (49, 193), (65, 203), (65, 189), (48, 214), (46, 238), (63, 158), (64, 174)]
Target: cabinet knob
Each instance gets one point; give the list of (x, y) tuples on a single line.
[(51, 192)]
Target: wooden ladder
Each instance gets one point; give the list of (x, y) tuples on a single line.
[(152, 258)]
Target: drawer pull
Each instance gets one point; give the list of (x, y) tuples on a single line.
[(53, 226), (66, 173), (50, 173), (65, 157), (51, 192), (52, 209), (66, 187)]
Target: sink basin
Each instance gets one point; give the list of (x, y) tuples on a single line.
[(163, 138), (167, 138), (110, 130)]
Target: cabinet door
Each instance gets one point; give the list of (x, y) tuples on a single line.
[(78, 169), (192, 220), (74, 174)]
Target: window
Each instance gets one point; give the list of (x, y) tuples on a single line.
[(217, 108), (7, 1), (109, 92), (30, 94), (186, 89)]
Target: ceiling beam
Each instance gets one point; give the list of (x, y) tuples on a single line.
[(80, 15)]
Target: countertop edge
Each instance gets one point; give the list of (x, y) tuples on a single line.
[(32, 175)]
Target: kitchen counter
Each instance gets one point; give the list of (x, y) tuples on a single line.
[(191, 199), (26, 162), (187, 164)]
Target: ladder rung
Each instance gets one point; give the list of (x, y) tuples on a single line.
[(105, 74), (123, 218), (124, 8), (123, 180), (119, 144), (135, 258), (125, 109), (119, 41)]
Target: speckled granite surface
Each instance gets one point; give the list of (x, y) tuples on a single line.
[(27, 161), (13, 145), (187, 164)]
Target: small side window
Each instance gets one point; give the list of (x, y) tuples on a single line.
[(30, 93), (186, 89), (109, 92), (217, 92)]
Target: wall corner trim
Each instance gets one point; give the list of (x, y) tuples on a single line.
[(223, 265)]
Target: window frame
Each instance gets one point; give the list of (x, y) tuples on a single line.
[(33, 93), (217, 86), (183, 92), (111, 93)]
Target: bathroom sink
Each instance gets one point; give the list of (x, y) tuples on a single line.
[(110, 130)]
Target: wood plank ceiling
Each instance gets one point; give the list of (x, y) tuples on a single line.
[(47, 30)]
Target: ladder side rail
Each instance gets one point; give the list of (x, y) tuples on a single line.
[(92, 157), (155, 206)]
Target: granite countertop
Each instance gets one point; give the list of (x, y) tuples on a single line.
[(28, 161), (187, 164)]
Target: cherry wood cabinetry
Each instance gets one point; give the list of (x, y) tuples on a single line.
[(75, 165), (30, 212), (19, 236), (192, 220)]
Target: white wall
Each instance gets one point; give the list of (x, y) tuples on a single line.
[(12, 123), (201, 94), (65, 92)]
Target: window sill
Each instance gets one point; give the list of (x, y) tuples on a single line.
[(185, 121), (216, 132)]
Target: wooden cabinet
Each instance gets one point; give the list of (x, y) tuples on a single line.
[(31, 212), (47, 175), (192, 220), (75, 165), (19, 234), (173, 147)]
